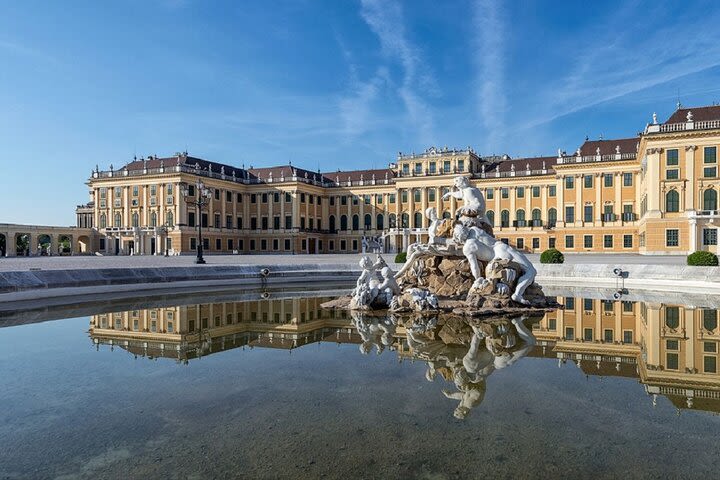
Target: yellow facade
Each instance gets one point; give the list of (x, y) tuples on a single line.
[(650, 194)]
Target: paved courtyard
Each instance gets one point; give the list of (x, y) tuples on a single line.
[(79, 262)]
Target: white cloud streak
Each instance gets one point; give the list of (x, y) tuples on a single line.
[(489, 63)]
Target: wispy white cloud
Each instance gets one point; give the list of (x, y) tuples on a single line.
[(489, 63), (607, 63), (386, 20)]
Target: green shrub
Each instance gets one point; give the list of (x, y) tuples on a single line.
[(702, 259), (552, 255), (401, 257)]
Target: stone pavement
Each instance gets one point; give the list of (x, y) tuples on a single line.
[(82, 262)]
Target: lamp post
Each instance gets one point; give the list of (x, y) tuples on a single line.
[(200, 198)]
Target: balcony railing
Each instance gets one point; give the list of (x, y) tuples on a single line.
[(629, 217), (680, 127)]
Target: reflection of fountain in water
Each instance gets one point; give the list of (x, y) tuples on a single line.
[(464, 352)]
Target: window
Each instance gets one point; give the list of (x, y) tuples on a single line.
[(569, 183), (391, 198), (135, 220), (710, 155), (536, 218), (608, 241), (135, 189), (587, 304), (505, 218), (627, 306), (287, 244), (672, 237), (627, 336), (608, 335), (536, 192), (417, 220), (569, 241), (366, 199), (552, 190), (608, 178), (431, 195), (355, 222), (535, 243), (709, 236), (433, 167), (569, 303), (672, 201), (253, 223), (490, 193), (276, 222), (569, 333), (710, 321), (551, 242), (417, 195), (392, 221), (404, 196), (588, 334), (103, 220), (490, 215), (406, 169), (379, 198), (672, 361), (709, 347), (380, 221), (671, 157), (461, 165), (710, 199), (552, 217), (588, 181), (627, 241), (520, 243), (218, 244), (710, 172), (505, 192), (263, 244), (367, 221), (672, 317), (588, 213), (709, 364), (230, 245), (276, 197), (569, 214), (405, 220), (627, 179), (520, 218), (228, 221), (672, 174), (288, 197), (588, 241), (446, 166), (288, 222), (302, 223), (239, 198), (253, 198), (520, 192)]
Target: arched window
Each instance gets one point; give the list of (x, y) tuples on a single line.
[(368, 221), (505, 218), (118, 220), (135, 220), (392, 220), (710, 321), (710, 199), (343, 222), (491, 217), (446, 214), (332, 223), (356, 222), (153, 219), (672, 317), (520, 217), (417, 220), (170, 219), (552, 216), (103, 220), (380, 221), (672, 201), (536, 217), (405, 220)]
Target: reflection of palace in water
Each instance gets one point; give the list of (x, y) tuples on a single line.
[(671, 349)]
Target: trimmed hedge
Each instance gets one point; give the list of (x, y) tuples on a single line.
[(702, 259), (552, 255), (401, 257)]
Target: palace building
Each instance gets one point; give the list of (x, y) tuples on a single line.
[(654, 193)]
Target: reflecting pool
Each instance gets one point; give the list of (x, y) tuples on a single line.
[(280, 388)]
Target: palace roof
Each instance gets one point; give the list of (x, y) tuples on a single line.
[(357, 175), (699, 114), (608, 147), (522, 164)]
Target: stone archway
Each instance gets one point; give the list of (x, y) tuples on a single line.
[(65, 246), (22, 244), (43, 245), (83, 244)]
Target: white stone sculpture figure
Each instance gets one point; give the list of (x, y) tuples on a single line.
[(507, 256), (423, 300), (473, 210), (477, 246), (375, 285), (437, 244)]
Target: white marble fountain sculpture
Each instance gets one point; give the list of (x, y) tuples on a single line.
[(498, 269)]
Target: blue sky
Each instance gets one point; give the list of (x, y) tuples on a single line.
[(328, 84)]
